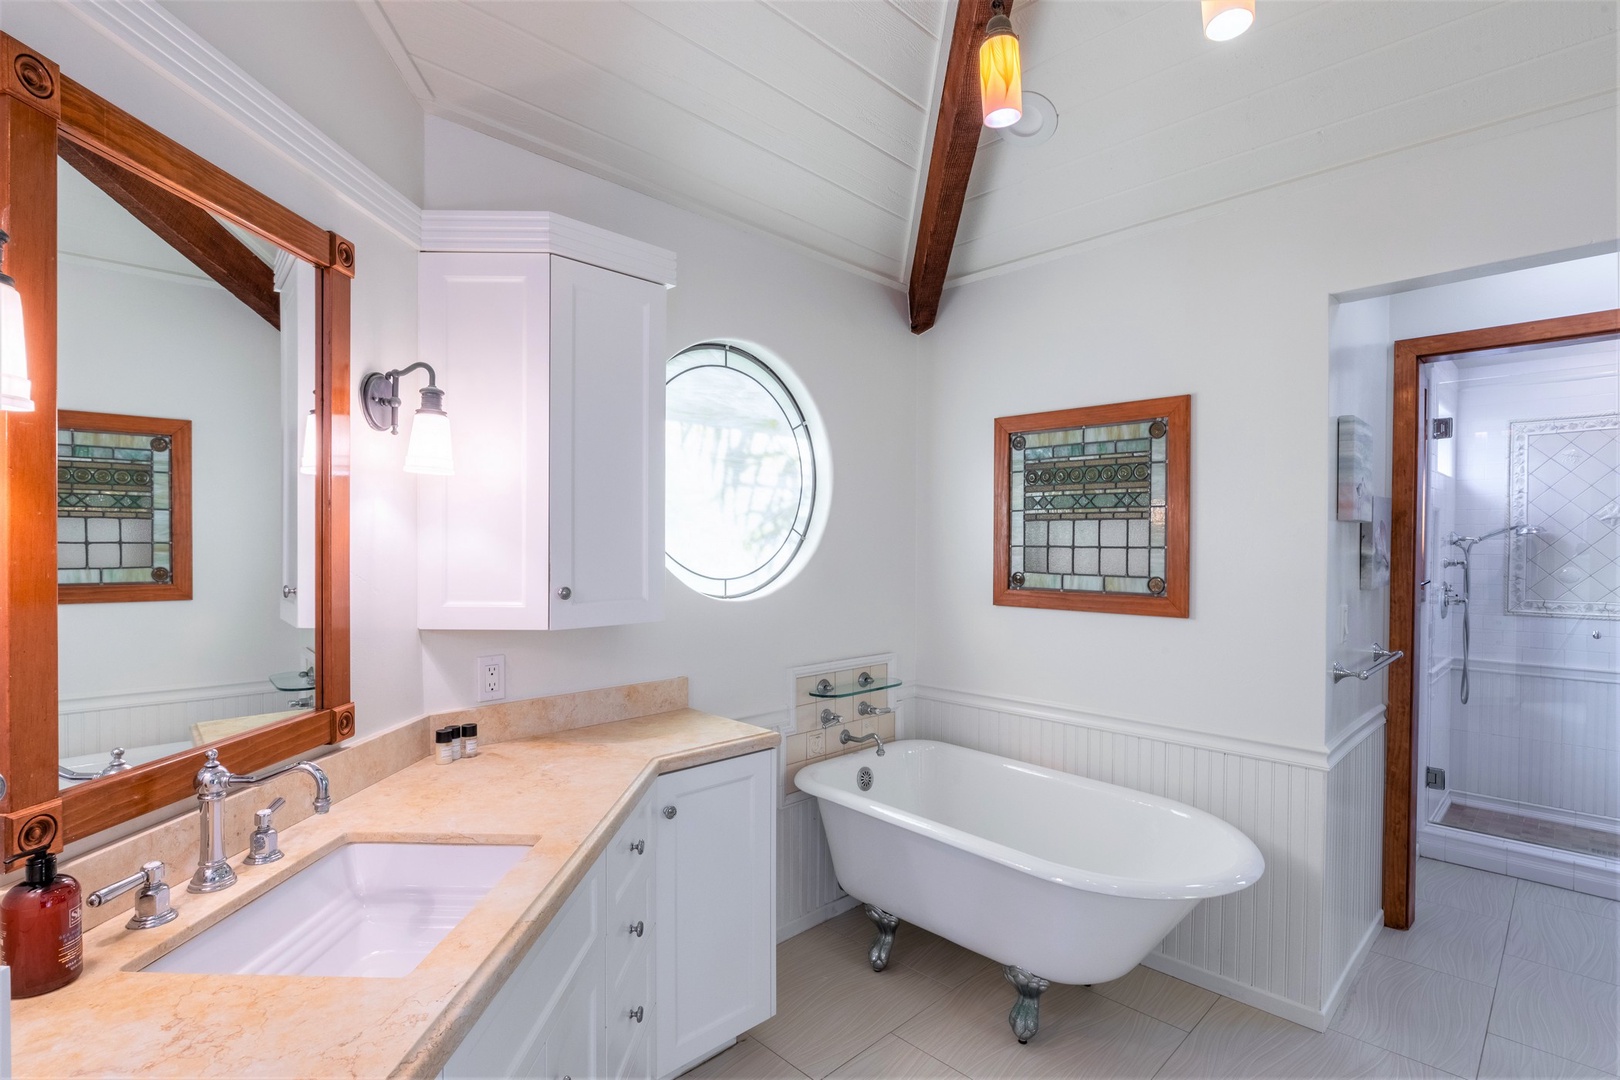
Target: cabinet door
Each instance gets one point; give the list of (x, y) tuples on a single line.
[(607, 447), (716, 961), (484, 323), (295, 285)]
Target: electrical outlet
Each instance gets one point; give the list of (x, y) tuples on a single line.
[(491, 678), (815, 745)]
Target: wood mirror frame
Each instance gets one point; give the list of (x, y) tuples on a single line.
[(40, 110)]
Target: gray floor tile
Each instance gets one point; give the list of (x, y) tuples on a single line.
[(1558, 1012), (895, 1059), (1417, 1012), (1236, 1042), (1448, 939), (831, 1005), (1536, 892), (1464, 887), (1161, 996), (1563, 937), (748, 1060), (1505, 1060), (915, 949), (1082, 1035)]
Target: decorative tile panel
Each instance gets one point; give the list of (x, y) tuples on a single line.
[(1564, 477)]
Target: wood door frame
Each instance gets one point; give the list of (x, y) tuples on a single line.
[(1406, 457), (40, 109)]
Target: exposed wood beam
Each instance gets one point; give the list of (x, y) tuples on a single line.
[(956, 140), (189, 229)]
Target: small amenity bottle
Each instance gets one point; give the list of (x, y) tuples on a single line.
[(444, 745), (41, 928), (469, 740)]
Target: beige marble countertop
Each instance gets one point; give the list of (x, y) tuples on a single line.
[(566, 794)]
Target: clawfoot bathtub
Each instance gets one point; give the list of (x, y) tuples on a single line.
[(1055, 877)]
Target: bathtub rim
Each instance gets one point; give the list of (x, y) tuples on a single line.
[(1247, 863)]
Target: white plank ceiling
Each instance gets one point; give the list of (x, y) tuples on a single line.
[(811, 120)]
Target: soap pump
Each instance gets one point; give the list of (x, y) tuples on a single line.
[(41, 928)]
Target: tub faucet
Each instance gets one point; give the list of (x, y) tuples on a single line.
[(871, 736), (214, 782)]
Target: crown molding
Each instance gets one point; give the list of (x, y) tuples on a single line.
[(174, 50), (546, 233)]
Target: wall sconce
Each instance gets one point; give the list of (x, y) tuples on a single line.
[(16, 393), (1001, 81), (1226, 19), (429, 449)]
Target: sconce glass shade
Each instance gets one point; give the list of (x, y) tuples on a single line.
[(1001, 80), (16, 393), (312, 441), (1226, 19), (429, 449)]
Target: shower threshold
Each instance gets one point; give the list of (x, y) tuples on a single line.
[(1531, 825)]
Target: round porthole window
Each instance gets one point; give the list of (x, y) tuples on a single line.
[(740, 472)]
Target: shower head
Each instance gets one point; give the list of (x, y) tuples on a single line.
[(1467, 542)]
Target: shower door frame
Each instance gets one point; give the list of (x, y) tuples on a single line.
[(1408, 462)]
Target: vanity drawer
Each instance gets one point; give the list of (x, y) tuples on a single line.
[(624, 859), (629, 1040), (625, 948)]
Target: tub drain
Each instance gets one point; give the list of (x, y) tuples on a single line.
[(864, 778)]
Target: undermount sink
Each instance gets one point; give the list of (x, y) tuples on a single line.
[(370, 910)]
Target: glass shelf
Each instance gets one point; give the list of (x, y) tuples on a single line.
[(872, 687)]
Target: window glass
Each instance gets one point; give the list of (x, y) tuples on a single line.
[(740, 472)]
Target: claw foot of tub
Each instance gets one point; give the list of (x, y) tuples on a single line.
[(1025, 1017), (884, 942)]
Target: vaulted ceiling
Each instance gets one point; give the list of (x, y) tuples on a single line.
[(812, 120)]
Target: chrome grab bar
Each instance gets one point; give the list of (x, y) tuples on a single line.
[(1382, 659)]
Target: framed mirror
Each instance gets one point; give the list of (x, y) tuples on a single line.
[(177, 501)]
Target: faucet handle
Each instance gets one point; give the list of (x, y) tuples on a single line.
[(151, 906), (264, 846)]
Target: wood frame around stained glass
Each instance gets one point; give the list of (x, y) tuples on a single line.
[(175, 583), (1116, 480)]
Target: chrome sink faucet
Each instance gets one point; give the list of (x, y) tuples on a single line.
[(214, 782)]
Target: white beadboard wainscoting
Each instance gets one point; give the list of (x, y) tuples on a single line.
[(1292, 943), (94, 725)]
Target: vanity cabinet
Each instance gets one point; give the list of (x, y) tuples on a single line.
[(553, 373), (665, 952)]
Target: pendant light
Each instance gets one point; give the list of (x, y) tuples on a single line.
[(1226, 19), (1001, 83), (429, 449), (16, 393)]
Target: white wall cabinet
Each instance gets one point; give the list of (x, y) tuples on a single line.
[(553, 372), (665, 952), (717, 905)]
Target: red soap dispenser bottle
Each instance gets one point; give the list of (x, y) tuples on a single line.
[(41, 927)]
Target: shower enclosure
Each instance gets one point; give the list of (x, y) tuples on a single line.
[(1518, 611)]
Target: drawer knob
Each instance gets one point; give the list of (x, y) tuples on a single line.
[(669, 811), (636, 1014), (637, 928), (564, 593), (639, 847)]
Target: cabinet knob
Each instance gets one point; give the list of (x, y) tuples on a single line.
[(669, 811), (288, 592), (637, 1013), (639, 847), (564, 593), (637, 927)]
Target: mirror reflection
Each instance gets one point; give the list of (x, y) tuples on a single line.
[(185, 475)]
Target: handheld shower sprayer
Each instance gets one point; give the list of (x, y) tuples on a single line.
[(1466, 545)]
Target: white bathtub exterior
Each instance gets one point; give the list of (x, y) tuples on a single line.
[(1072, 879)]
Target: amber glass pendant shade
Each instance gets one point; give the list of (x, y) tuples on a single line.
[(1001, 83)]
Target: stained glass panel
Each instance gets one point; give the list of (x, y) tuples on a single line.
[(113, 516)]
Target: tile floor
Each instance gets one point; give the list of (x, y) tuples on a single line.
[(1501, 978)]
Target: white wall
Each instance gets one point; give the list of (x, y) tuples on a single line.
[(846, 340), (1232, 307), (386, 686)]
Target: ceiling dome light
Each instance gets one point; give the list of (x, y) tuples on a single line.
[(1001, 83), (1226, 19)]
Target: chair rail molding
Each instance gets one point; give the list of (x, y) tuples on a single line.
[(148, 32)]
